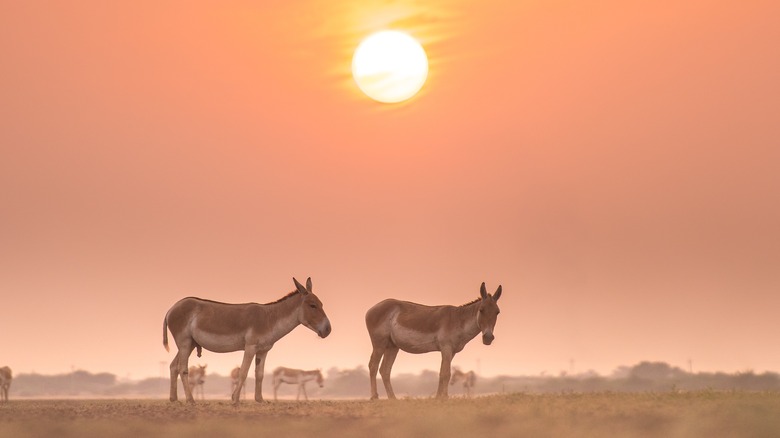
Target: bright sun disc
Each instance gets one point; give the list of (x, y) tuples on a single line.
[(390, 66)]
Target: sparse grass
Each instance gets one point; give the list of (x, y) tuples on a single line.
[(695, 414)]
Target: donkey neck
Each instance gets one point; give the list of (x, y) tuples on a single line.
[(467, 314), (285, 314)]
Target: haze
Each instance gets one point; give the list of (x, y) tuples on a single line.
[(614, 165)]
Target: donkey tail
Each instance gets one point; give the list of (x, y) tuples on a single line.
[(165, 333)]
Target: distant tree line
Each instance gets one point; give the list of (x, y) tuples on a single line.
[(353, 383)]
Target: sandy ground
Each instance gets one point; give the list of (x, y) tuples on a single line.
[(695, 414)]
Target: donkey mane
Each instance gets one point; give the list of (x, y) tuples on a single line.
[(220, 302), (291, 294), (244, 304), (471, 302)]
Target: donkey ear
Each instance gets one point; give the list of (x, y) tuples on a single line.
[(497, 295), (300, 287), (308, 284), (483, 291)]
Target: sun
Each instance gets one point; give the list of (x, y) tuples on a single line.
[(390, 66)]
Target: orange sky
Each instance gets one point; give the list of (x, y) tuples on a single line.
[(615, 166)]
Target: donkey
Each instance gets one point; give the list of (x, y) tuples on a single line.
[(298, 377), (235, 375), (251, 327), (197, 377), (469, 378), (415, 328), (5, 382)]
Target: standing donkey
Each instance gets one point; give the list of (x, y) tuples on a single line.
[(5, 382), (235, 377), (251, 327), (197, 377), (469, 379), (297, 377), (415, 328)]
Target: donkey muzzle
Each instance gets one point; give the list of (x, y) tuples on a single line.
[(324, 330), (487, 338)]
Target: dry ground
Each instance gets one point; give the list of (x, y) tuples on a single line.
[(695, 414)]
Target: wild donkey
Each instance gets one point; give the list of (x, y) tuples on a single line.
[(415, 328), (235, 377), (469, 379), (197, 377), (251, 327), (297, 377), (5, 382)]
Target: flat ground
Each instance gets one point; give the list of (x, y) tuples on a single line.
[(691, 414)]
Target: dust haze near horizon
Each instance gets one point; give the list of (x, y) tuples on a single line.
[(615, 166)]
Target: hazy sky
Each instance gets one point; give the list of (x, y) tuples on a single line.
[(615, 165)]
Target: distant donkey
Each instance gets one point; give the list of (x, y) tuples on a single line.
[(5, 382), (401, 325), (251, 327), (297, 377), (197, 377), (469, 379), (235, 377)]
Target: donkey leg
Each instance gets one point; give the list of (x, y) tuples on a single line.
[(303, 387), (184, 374), (277, 383), (444, 373), (174, 378), (387, 366), (248, 353), (259, 373), (373, 367)]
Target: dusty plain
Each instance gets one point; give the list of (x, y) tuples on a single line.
[(667, 414)]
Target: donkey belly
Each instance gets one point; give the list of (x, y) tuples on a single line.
[(292, 380), (412, 341), (219, 343)]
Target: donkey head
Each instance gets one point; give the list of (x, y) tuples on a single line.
[(311, 313), (488, 313)]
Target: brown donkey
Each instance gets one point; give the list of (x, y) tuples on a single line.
[(251, 327), (415, 328), (5, 382)]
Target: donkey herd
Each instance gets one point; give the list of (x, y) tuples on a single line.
[(393, 325)]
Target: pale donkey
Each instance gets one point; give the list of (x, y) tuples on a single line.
[(296, 377), (235, 377), (197, 377), (469, 379), (5, 382)]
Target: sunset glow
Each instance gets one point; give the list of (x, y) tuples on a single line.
[(613, 165)]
